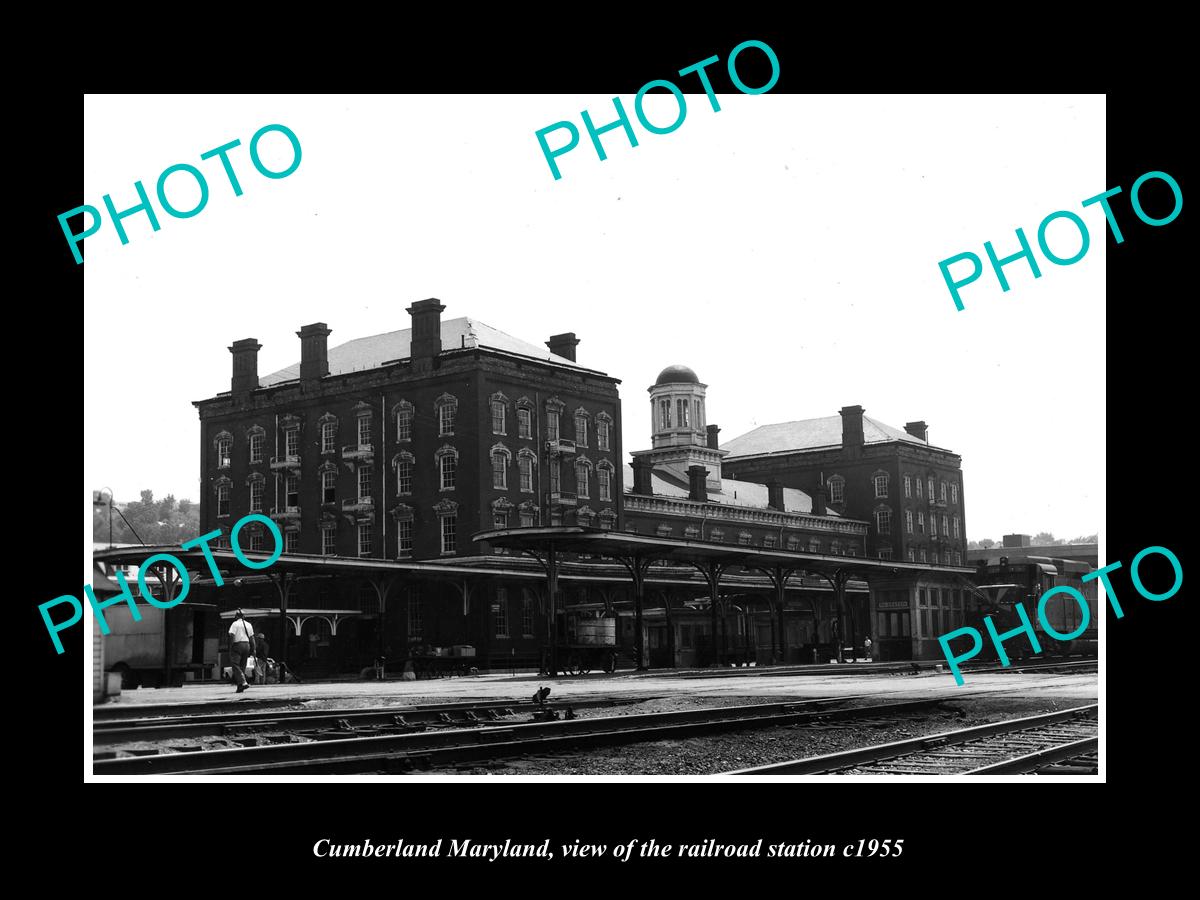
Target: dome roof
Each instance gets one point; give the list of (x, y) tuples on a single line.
[(676, 374)]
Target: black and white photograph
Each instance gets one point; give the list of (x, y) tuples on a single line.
[(463, 439)]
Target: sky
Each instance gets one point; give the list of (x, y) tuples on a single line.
[(786, 248)]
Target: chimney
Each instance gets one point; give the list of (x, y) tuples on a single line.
[(245, 365), (918, 430), (426, 329), (713, 443), (697, 489), (852, 426), (818, 501), (642, 467), (563, 345), (775, 495), (314, 350)]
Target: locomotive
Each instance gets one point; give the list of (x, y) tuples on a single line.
[(1000, 586)]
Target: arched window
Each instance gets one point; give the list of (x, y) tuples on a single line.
[(404, 463), (403, 412), (223, 443), (525, 418), (583, 471), (525, 462), (446, 409), (883, 521), (403, 514), (447, 464), (604, 473), (328, 424), (814, 545), (257, 436), (258, 486), (608, 519), (501, 457), (554, 408), (224, 489), (529, 514), (499, 413), (582, 418), (880, 480), (603, 431), (447, 512)]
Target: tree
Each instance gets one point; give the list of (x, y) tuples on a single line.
[(1045, 538), (987, 544), (1085, 539)]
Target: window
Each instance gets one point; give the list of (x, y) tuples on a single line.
[(933, 525), (908, 521), (957, 558), (448, 469), (918, 488), (907, 485), (957, 527), (581, 480), (681, 413), (365, 534), (602, 432), (551, 425), (291, 441), (604, 479), (883, 521), (328, 540), (930, 488), (404, 420), (329, 486), (835, 548), (525, 470), (364, 482), (500, 613), (258, 540), (364, 431), (920, 521), (499, 408), (912, 555), (923, 554), (946, 525), (257, 441), (404, 475), (524, 423), (223, 499), (291, 541), (581, 429), (881, 484), (885, 552), (814, 546), (555, 477), (499, 470), (404, 537), (527, 615), (447, 410), (943, 495), (328, 437), (414, 614), (256, 496), (954, 493), (224, 452), (527, 520), (793, 543), (837, 489), (744, 538), (500, 518), (769, 541), (449, 526), (717, 535), (664, 414), (292, 490)]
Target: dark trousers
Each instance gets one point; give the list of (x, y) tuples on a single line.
[(238, 654)]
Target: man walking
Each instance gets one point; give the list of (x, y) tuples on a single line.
[(241, 645)]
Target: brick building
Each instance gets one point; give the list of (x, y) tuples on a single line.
[(909, 490), (401, 446)]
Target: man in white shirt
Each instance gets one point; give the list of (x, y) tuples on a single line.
[(241, 645)]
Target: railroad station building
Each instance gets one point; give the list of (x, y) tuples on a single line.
[(382, 460)]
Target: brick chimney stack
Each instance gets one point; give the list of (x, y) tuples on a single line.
[(918, 430), (697, 488), (426, 331), (852, 426), (314, 351), (245, 365), (713, 442), (775, 495), (642, 468), (563, 345)]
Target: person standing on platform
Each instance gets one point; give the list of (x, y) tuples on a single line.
[(241, 646)]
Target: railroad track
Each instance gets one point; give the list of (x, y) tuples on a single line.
[(903, 668), (1033, 744), (404, 752), (357, 722)]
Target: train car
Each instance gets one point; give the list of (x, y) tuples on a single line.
[(587, 642), (1001, 586)]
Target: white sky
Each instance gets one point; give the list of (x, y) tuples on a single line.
[(786, 248)]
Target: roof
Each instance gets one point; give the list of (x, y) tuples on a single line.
[(378, 349), (809, 434), (677, 375), (733, 493)]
